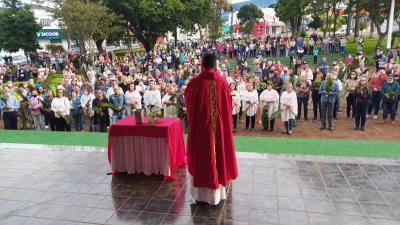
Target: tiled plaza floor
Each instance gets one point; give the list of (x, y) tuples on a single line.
[(66, 186)]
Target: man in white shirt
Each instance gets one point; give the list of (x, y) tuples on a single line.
[(152, 99)]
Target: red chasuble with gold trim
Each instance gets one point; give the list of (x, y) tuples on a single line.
[(210, 148)]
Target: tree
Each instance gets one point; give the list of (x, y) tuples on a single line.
[(215, 22), (292, 12), (316, 22), (87, 20), (379, 12), (18, 27), (148, 20), (248, 14)]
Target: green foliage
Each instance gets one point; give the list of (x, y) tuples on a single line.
[(55, 48), (148, 20), (18, 28), (291, 11), (316, 22), (153, 118), (88, 20), (215, 36), (249, 13)]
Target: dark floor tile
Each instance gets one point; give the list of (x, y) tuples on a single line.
[(369, 197), (158, 206), (146, 218), (38, 221), (98, 216), (293, 204), (111, 202), (239, 199), (236, 213), (29, 209), (263, 202), (183, 208), (177, 220), (135, 204), (204, 221), (373, 210), (348, 208), (74, 213), (123, 218), (323, 219), (264, 216), (353, 220), (51, 211), (342, 195), (381, 221), (292, 218), (12, 220), (7, 207), (319, 206), (208, 211), (167, 193), (123, 190), (232, 222)]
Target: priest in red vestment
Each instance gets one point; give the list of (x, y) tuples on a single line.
[(210, 148)]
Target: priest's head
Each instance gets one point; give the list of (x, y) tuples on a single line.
[(209, 61)]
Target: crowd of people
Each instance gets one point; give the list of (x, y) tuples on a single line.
[(99, 89)]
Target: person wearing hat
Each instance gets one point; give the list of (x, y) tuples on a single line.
[(389, 90), (362, 95)]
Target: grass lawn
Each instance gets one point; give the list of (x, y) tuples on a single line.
[(301, 146)]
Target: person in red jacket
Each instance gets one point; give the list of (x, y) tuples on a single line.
[(210, 148), (375, 84)]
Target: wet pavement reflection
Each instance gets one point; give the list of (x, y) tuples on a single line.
[(62, 186)]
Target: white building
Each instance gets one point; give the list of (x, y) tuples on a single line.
[(50, 32)]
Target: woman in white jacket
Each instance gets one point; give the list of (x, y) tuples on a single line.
[(250, 101), (61, 108), (289, 108), (235, 95), (269, 99)]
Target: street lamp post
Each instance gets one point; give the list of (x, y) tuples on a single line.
[(390, 28)]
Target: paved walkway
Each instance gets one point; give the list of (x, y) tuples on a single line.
[(68, 186)]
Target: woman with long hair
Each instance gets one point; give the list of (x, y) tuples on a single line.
[(61, 108), (349, 88)]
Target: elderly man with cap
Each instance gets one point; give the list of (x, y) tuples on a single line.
[(9, 108), (389, 90)]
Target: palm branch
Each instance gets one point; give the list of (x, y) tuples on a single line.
[(181, 113), (153, 118), (47, 83)]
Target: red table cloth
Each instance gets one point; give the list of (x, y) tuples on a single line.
[(157, 149)]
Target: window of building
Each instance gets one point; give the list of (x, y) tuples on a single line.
[(45, 22)]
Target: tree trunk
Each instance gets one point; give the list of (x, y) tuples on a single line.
[(200, 32), (372, 30), (381, 35), (82, 46), (349, 17), (176, 36), (357, 25), (335, 18), (99, 45), (68, 41), (129, 44), (326, 23)]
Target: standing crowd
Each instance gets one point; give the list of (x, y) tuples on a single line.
[(99, 89)]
